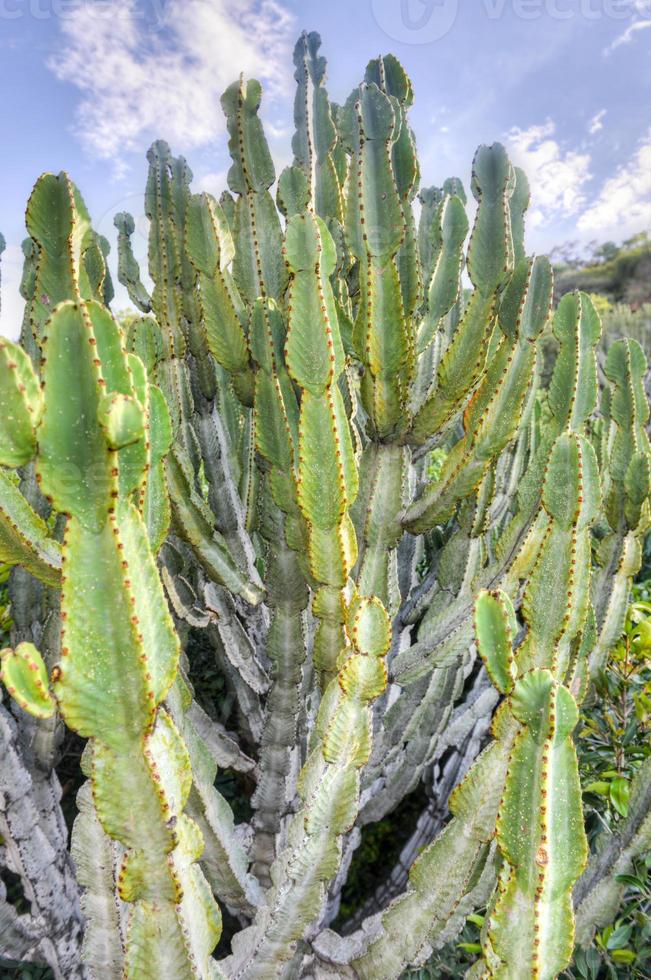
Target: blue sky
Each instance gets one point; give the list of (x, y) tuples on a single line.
[(87, 85)]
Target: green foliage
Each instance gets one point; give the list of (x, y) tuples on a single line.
[(621, 273), (5, 605), (620, 320), (615, 727)]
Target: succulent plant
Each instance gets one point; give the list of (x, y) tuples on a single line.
[(248, 458)]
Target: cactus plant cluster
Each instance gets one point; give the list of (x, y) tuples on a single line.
[(248, 461)]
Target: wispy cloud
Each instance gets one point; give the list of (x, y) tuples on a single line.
[(640, 11), (139, 81), (596, 124), (557, 175), (623, 205)]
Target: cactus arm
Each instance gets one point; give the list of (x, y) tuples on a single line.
[(390, 77), (575, 369), (24, 674), (626, 475), (24, 536), (375, 225), (542, 783), (225, 498), (571, 478), (58, 224), (164, 249), (451, 757), (186, 236), (354, 633), (384, 473), (258, 267), (223, 860), (275, 424), (490, 250), (28, 340), (494, 414), (429, 241), (612, 595), (571, 471), (128, 268), (495, 627), (293, 194), (220, 306), (530, 926), (489, 263), (460, 368), (520, 200), (327, 481), (445, 282), (104, 291), (315, 137), (224, 750), (570, 407), (21, 404), (287, 597), (238, 647), (153, 500), (329, 790), (193, 520), (517, 548), (313, 350), (446, 870), (276, 439), (119, 652)]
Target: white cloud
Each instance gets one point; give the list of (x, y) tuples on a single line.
[(140, 81), (557, 176), (641, 21), (596, 124), (623, 205), (13, 305), (214, 183), (277, 130)]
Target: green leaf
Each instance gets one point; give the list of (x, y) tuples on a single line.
[(632, 881), (477, 920), (620, 789), (600, 788), (623, 956), (470, 947), (619, 937)]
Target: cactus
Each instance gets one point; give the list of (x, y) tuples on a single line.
[(254, 448), (102, 425)]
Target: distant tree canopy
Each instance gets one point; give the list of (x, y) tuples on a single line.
[(622, 273)]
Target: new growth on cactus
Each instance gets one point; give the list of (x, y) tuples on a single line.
[(246, 464)]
